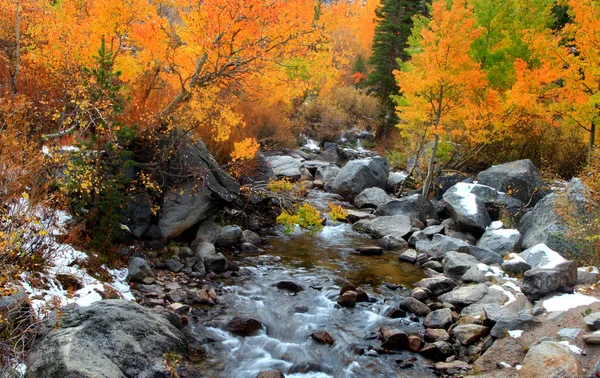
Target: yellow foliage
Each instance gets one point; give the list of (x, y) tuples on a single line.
[(245, 150), (281, 185), (306, 217), (337, 212)]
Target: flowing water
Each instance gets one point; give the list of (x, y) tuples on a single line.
[(319, 263)]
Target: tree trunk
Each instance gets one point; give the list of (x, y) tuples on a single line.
[(429, 178), (16, 68), (592, 141)]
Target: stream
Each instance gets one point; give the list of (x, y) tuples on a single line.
[(319, 263)]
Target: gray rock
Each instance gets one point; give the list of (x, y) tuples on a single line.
[(139, 215), (437, 285), (540, 256), (174, 266), (569, 333), (395, 179), (550, 359), (465, 295), (474, 274), (456, 264), (409, 256), (439, 245), (469, 333), (327, 174), (539, 281), (138, 270), (393, 243), (494, 312), (397, 225), (435, 334), (521, 321), (484, 255), (593, 320), (208, 231), (544, 224), (468, 211), (213, 261), (285, 166), (501, 241), (358, 175), (432, 230), (416, 237), (371, 197), (98, 340), (447, 180), (435, 265), (415, 207), (587, 275), (250, 237), (190, 203), (414, 306), (515, 264), (438, 351), (229, 236), (519, 179), (441, 318)]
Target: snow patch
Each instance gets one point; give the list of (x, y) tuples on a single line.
[(516, 333), (566, 302), (511, 296), (495, 225), (547, 257), (572, 348), (311, 145)]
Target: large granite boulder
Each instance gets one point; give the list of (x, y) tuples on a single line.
[(286, 166), (415, 207), (468, 211), (538, 282), (112, 338), (371, 197), (439, 245), (550, 359), (358, 175), (213, 261), (500, 240), (195, 200), (397, 225), (327, 174), (519, 179)]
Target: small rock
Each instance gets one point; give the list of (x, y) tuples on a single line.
[(138, 270), (409, 256), (393, 339), (435, 265), (347, 286), (244, 326), (174, 266), (433, 335), (361, 295), (414, 343), (270, 374), (587, 275), (419, 294), (229, 236), (348, 299), (437, 285), (395, 313), (452, 367), (289, 286), (392, 243), (592, 339), (556, 316), (414, 306), (250, 237), (593, 320), (370, 251), (438, 351), (439, 319), (569, 333), (469, 333), (322, 337)]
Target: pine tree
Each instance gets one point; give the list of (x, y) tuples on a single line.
[(389, 44)]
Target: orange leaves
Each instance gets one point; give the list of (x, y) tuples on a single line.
[(245, 150)]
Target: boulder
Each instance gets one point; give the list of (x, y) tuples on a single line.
[(447, 180), (550, 359), (371, 197), (348, 298), (138, 270), (432, 230), (139, 215), (437, 351), (441, 318), (587, 275), (189, 203), (415, 207), (229, 236), (540, 281), (393, 339), (437, 285), (509, 322), (484, 255), (439, 245), (285, 166), (395, 179), (476, 273), (468, 211), (327, 174), (242, 326), (519, 179), (358, 175), (544, 223), (592, 320), (330, 154), (540, 256), (515, 264), (501, 241), (469, 333), (397, 225), (98, 340), (465, 295), (208, 231), (414, 306), (393, 243), (435, 334), (213, 261), (250, 237), (409, 256), (456, 264)]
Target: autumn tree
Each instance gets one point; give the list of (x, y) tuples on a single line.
[(441, 79), (394, 24)]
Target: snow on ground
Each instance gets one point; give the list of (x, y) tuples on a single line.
[(572, 348), (565, 302), (511, 296), (516, 333), (467, 199)]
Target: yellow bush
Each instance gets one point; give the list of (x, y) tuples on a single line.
[(337, 212)]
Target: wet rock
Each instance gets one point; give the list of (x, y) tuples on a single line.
[(213, 261), (519, 179), (395, 313), (468, 211), (414, 306), (348, 299), (370, 251), (174, 266), (435, 265), (414, 343), (392, 243), (290, 286), (435, 334), (398, 225), (304, 368), (441, 318), (416, 237), (409, 256), (201, 296), (593, 320), (437, 351), (358, 175), (437, 285), (415, 207), (393, 339), (138, 270), (347, 286), (361, 295), (419, 294), (356, 215), (250, 237), (587, 275), (241, 326), (539, 281), (270, 374), (247, 247), (550, 359), (465, 295), (97, 341), (456, 264), (501, 241), (229, 236), (469, 333), (371, 197), (322, 337)]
